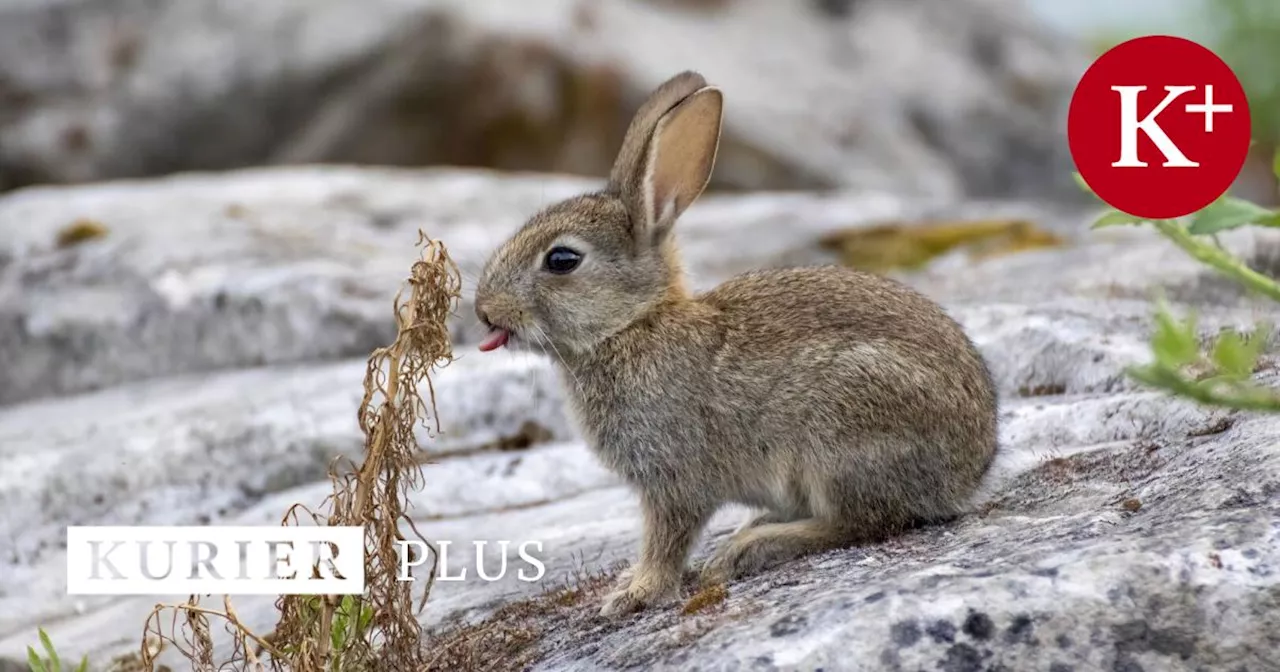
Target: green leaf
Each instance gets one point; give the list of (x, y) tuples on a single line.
[(1116, 218), (1272, 221), (1174, 345), (1227, 213), (34, 661), (54, 663), (1084, 186), (1258, 341), (366, 617), (1233, 356), (342, 618), (338, 634), (84, 665)]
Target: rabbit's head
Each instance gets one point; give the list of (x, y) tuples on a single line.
[(583, 269)]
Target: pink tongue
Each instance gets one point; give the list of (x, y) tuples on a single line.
[(497, 338)]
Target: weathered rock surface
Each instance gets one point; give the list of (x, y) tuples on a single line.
[(944, 97), (1151, 555), (1120, 530), (199, 273)]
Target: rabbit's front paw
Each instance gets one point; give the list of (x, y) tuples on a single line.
[(640, 590)]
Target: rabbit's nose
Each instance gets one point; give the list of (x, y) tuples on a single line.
[(483, 315)]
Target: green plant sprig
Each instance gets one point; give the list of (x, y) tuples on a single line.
[(53, 663), (1222, 377)]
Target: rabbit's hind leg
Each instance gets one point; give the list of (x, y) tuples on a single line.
[(766, 518), (768, 544)]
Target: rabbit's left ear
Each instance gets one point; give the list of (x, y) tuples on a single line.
[(677, 165)]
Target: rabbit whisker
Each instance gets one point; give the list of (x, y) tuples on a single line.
[(577, 383)]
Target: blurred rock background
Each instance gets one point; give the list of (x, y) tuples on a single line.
[(929, 96), (932, 96)]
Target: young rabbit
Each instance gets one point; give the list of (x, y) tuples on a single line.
[(844, 404)]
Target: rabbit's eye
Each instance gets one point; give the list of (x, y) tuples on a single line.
[(561, 260)]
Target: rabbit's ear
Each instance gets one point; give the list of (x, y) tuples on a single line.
[(682, 154), (668, 153)]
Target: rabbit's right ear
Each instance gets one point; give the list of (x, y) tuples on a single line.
[(668, 154)]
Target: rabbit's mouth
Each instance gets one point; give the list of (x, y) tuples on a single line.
[(497, 338)]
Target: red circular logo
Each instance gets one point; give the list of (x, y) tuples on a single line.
[(1159, 127)]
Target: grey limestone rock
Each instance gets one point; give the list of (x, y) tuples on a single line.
[(201, 364)]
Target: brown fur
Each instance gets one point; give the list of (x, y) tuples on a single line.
[(844, 404)]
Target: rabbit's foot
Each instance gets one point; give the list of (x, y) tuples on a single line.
[(723, 565), (759, 547), (639, 589)]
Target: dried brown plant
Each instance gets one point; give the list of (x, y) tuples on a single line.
[(378, 630)]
